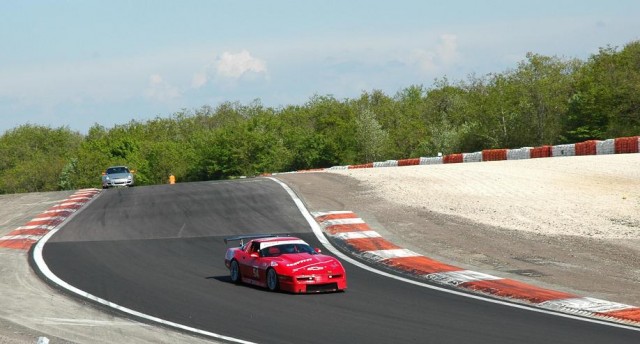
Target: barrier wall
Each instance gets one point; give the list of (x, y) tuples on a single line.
[(494, 154), (563, 150), (586, 147), (472, 157), (606, 147), (621, 145), (453, 158), (541, 152), (339, 168), (431, 161), (518, 154), (369, 165), (388, 163), (409, 162), (626, 145)]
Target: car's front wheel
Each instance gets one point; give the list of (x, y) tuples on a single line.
[(272, 279), (234, 271)]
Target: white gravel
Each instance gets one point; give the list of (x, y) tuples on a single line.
[(590, 196)]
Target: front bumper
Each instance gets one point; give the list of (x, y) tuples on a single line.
[(313, 283), (117, 182)]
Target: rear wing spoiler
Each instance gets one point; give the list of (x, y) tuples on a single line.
[(242, 238)]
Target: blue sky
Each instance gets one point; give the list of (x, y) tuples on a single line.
[(78, 63)]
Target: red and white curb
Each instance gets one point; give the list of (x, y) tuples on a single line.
[(23, 237), (347, 227)]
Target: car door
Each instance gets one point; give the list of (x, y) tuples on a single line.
[(248, 261)]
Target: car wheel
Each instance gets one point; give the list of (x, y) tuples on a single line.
[(234, 271), (272, 279)]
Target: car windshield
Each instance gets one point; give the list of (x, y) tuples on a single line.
[(277, 250), (114, 170)]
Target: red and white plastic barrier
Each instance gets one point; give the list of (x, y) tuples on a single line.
[(563, 150), (431, 161), (606, 147), (494, 154), (627, 145), (620, 145), (472, 157), (519, 153)]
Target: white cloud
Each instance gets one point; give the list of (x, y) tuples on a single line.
[(199, 80), (425, 60), (444, 54), (228, 67), (447, 50), (235, 65), (160, 90)]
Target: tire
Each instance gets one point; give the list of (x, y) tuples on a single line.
[(272, 279), (234, 272)]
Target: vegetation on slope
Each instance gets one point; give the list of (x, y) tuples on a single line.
[(543, 101)]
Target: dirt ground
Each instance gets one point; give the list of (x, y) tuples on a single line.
[(570, 224)]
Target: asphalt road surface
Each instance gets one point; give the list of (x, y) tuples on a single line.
[(159, 250)]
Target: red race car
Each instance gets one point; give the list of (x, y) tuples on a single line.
[(283, 263)]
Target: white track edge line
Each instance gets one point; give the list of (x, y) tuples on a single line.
[(315, 227), (44, 269)]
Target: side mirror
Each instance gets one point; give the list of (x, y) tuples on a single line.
[(132, 171), (255, 255), (318, 250)]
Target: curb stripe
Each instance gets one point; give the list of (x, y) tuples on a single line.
[(357, 235), (29, 232), (47, 227), (23, 237), (342, 221), (371, 244), (368, 244), (40, 221), (589, 304), (320, 214), (517, 290), (460, 277), (23, 244), (328, 216), (419, 265), (56, 211), (632, 314), (392, 253), (360, 227), (43, 217)]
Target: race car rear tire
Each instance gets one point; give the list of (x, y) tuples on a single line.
[(272, 279), (234, 272)]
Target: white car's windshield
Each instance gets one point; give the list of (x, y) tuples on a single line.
[(114, 170)]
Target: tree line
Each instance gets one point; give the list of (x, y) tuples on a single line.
[(544, 100)]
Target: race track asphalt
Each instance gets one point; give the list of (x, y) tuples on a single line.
[(159, 250)]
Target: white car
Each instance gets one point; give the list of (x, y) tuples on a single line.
[(117, 176)]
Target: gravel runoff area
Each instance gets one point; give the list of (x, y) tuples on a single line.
[(587, 196), (567, 223)]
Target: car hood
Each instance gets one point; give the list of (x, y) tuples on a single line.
[(118, 175), (312, 263)]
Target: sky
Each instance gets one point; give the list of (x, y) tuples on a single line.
[(81, 63)]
